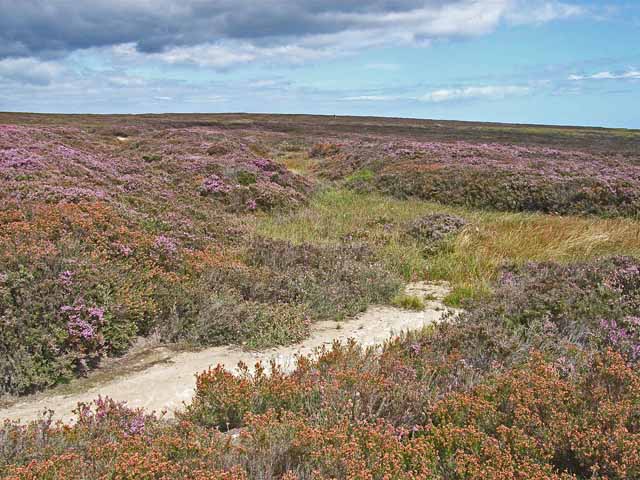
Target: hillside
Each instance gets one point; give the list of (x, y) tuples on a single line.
[(121, 234)]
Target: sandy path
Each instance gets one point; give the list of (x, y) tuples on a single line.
[(168, 385)]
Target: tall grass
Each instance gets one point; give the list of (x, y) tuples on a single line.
[(472, 259)]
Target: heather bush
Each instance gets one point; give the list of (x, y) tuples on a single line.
[(333, 281), (493, 176), (542, 415), (550, 308), (324, 149), (275, 293), (534, 420), (103, 240), (553, 308), (515, 387), (433, 230), (215, 318)]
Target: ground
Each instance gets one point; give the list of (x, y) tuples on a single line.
[(128, 241)]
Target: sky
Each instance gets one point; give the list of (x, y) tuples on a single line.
[(573, 62)]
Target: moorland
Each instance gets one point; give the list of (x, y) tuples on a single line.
[(203, 230)]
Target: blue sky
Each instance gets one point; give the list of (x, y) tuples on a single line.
[(526, 61)]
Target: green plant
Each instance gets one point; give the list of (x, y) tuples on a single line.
[(408, 302), (246, 178)]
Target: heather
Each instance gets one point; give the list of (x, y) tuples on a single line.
[(561, 312), (465, 247), (489, 175), (104, 241), (194, 231), (541, 389)]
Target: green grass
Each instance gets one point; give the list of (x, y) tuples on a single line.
[(364, 175), (408, 302), (472, 260)]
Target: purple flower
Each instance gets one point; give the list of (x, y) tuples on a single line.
[(252, 205), (66, 278), (97, 313), (78, 327), (136, 425), (214, 184), (166, 245), (264, 164), (123, 249)]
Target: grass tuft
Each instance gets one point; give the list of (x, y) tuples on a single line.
[(408, 302)]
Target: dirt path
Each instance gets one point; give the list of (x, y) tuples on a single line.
[(168, 384)]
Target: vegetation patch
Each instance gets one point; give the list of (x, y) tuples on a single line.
[(496, 392), (214, 239), (408, 302), (493, 176)]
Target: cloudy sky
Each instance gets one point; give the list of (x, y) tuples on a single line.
[(532, 61)]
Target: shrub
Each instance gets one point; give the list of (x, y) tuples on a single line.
[(324, 150), (493, 176), (470, 399), (152, 158), (431, 231), (246, 178), (218, 149)]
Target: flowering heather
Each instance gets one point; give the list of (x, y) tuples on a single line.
[(166, 245), (145, 227), (214, 185), (502, 177), (356, 414)]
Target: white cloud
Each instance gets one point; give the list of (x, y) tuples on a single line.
[(492, 92), (533, 12), (29, 71), (607, 75), (375, 98), (488, 92), (207, 55), (346, 30)]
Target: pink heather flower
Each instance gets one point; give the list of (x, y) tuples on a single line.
[(78, 327), (136, 426), (166, 244), (66, 278), (124, 250), (214, 184), (252, 205), (97, 313), (263, 163)]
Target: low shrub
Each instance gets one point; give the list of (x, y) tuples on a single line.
[(492, 176), (534, 420), (431, 231), (152, 158), (332, 281), (324, 150)]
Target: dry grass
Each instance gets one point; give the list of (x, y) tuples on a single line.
[(297, 162), (473, 259), (494, 239)]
